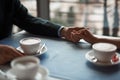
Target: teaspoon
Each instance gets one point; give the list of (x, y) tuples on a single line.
[(40, 50), (93, 58)]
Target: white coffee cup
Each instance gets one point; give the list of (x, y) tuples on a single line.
[(30, 45), (27, 67), (104, 51)]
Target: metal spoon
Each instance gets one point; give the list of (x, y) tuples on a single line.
[(93, 58), (40, 50)]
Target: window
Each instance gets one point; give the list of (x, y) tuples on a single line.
[(101, 16), (31, 6)]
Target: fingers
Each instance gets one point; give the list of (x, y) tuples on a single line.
[(8, 53), (74, 34), (75, 37), (77, 28)]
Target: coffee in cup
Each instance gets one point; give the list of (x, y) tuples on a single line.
[(104, 51), (30, 45)]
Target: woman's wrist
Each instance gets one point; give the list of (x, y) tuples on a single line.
[(94, 40)]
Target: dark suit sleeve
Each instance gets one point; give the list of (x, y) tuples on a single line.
[(32, 24)]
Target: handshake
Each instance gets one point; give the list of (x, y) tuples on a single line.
[(74, 34)]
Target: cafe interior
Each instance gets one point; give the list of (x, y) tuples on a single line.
[(64, 60)]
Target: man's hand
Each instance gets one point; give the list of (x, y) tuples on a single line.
[(8, 53), (71, 33)]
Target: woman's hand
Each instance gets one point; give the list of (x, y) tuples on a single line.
[(88, 36)]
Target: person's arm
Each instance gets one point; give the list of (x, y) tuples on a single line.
[(32, 24), (8, 53), (41, 26), (89, 37), (109, 40)]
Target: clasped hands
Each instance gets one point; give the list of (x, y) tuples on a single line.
[(74, 34)]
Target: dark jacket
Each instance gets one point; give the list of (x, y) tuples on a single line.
[(13, 12)]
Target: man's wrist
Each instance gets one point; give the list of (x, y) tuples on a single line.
[(63, 32)]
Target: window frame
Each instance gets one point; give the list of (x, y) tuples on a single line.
[(43, 9)]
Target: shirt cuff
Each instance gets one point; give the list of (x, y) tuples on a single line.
[(59, 31)]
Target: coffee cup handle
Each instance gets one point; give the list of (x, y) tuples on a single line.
[(44, 72)]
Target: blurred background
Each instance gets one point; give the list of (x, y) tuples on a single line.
[(101, 16)]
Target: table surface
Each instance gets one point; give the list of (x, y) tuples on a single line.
[(66, 60)]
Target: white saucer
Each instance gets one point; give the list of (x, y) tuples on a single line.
[(37, 54), (89, 54), (37, 77)]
